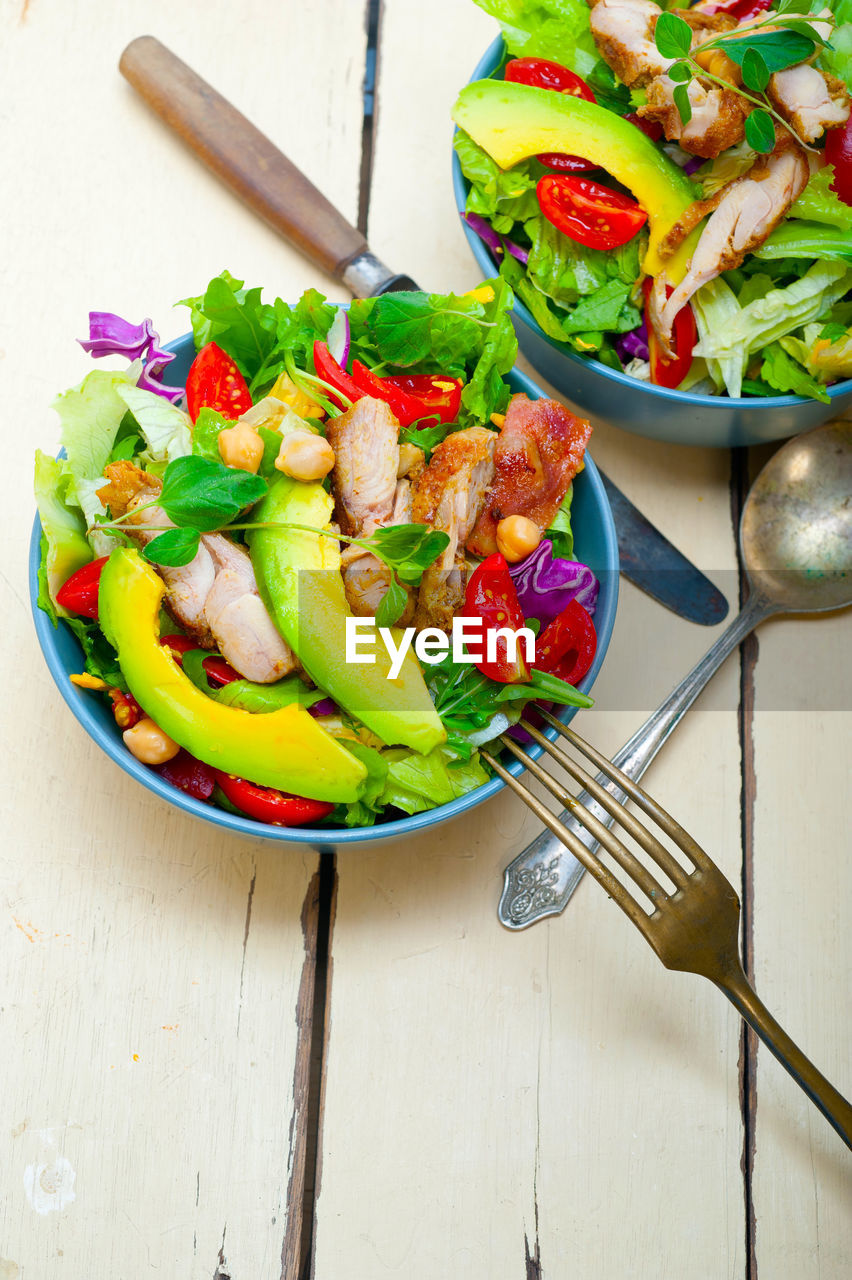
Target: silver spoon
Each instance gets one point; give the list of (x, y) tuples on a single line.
[(796, 544)]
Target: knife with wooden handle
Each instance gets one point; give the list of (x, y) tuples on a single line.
[(270, 184)]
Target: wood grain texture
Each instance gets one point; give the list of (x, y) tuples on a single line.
[(154, 971), (552, 1102)]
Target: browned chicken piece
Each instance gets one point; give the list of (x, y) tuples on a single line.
[(706, 25), (810, 100), (717, 121), (365, 440), (214, 598), (747, 211), (366, 447), (623, 31), (448, 496)]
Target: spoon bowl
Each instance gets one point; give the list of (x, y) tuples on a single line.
[(796, 528)]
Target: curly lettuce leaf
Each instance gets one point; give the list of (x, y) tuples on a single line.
[(838, 58), (781, 371), (501, 196), (818, 203), (65, 548), (554, 29)]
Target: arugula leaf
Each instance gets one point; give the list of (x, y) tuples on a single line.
[(175, 547), (246, 694), (560, 532), (205, 433), (609, 91), (206, 495), (609, 308), (760, 131), (426, 438), (672, 36), (782, 372)]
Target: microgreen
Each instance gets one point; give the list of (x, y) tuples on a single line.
[(782, 39)]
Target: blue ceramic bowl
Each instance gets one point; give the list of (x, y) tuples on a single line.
[(595, 545), (679, 417)]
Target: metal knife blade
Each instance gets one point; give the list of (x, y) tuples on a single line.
[(270, 184)]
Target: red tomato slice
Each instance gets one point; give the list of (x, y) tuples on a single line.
[(215, 381), (651, 128), (838, 151), (79, 594), (491, 596), (567, 646), (670, 373), (543, 74), (588, 212), (219, 672), (438, 395), (267, 805)]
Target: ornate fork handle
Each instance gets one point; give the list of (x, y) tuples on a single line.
[(542, 878)]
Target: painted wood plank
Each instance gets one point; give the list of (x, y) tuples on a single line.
[(157, 976), (802, 1183), (550, 1102)]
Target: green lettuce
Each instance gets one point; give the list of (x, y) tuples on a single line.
[(65, 548), (818, 203), (501, 196), (783, 373), (838, 58), (554, 29), (560, 532), (416, 782), (795, 239), (566, 271)]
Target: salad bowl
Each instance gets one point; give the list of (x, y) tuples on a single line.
[(595, 390), (596, 543)]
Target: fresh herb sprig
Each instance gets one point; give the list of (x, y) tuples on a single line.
[(202, 496), (758, 52)]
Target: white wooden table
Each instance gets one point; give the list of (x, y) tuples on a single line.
[(546, 1104)]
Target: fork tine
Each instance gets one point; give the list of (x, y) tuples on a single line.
[(623, 856), (669, 864), (614, 888), (663, 819)]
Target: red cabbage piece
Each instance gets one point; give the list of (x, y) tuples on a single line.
[(109, 335), (633, 345), (545, 585), (496, 243), (325, 707)]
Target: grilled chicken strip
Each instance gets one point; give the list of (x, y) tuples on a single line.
[(365, 440), (539, 451), (624, 33), (809, 100), (448, 495), (717, 121), (214, 597), (747, 210)]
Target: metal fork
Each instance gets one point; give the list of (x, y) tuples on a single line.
[(695, 928)]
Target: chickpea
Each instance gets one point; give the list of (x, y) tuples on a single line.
[(147, 742), (241, 447), (305, 456), (517, 537)]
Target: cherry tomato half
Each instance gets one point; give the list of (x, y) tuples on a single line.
[(188, 774), (838, 151), (79, 594), (567, 646), (219, 672), (215, 381), (491, 596), (542, 74), (264, 804), (651, 128), (588, 212), (740, 9), (670, 373)]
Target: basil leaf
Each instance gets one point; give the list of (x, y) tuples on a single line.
[(392, 605), (760, 131), (755, 71), (672, 36), (680, 95), (680, 71), (206, 495), (779, 49), (173, 548)]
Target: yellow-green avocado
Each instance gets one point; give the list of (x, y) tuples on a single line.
[(299, 578), (514, 121), (285, 749)]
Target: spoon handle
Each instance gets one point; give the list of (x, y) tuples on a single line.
[(541, 879)]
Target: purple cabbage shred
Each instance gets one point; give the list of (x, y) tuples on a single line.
[(633, 345), (109, 335), (325, 707), (496, 243), (546, 585)]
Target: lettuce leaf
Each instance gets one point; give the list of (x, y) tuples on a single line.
[(65, 548), (818, 203), (560, 532), (416, 782), (782, 372), (165, 428), (554, 29), (566, 271), (838, 59)]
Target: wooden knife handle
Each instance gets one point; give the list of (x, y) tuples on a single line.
[(241, 155)]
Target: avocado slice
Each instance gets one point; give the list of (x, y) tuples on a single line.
[(285, 749), (514, 121), (299, 578)]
